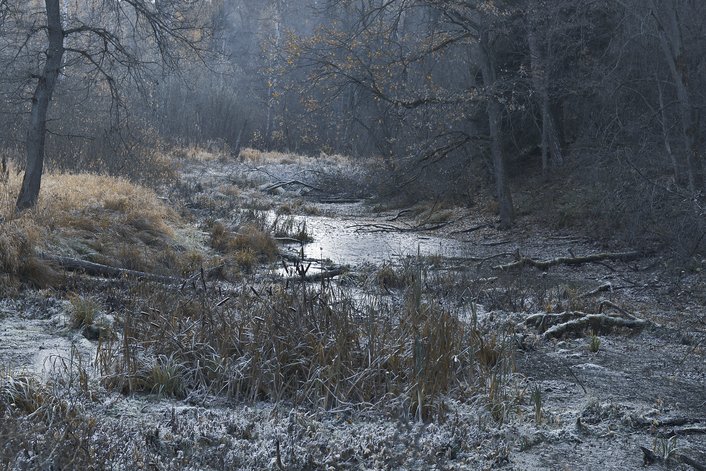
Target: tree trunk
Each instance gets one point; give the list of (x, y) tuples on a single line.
[(494, 124), (665, 133), (672, 48), (550, 139), (36, 134)]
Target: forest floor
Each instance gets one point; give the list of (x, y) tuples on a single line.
[(572, 366)]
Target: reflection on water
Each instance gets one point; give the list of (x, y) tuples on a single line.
[(349, 242)]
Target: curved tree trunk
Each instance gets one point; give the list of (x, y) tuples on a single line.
[(41, 100)]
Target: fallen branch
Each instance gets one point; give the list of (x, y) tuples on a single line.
[(373, 228), (602, 288), (544, 321), (681, 431), (544, 264), (274, 186), (621, 310), (404, 211), (324, 275), (97, 269), (288, 240), (598, 323)]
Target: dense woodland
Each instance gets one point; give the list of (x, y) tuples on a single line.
[(352, 234), (592, 108)]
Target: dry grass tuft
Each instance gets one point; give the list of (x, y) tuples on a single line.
[(250, 239), (18, 261), (198, 154), (104, 219)]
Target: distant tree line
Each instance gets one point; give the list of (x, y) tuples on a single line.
[(605, 95)]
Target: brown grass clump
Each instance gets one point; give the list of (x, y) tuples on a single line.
[(198, 154), (103, 219), (18, 260), (68, 200), (250, 239)]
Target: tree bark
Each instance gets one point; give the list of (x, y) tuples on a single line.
[(493, 109), (36, 134)]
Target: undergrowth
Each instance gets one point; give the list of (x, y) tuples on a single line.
[(312, 346)]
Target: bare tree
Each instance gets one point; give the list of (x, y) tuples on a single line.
[(114, 42), (670, 26), (398, 53)]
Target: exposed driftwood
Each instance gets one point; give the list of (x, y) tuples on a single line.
[(544, 264), (598, 323), (97, 269)]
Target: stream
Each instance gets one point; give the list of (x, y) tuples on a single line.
[(353, 241)]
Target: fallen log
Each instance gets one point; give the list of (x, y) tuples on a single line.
[(598, 323), (544, 264), (280, 184), (97, 269), (544, 321)]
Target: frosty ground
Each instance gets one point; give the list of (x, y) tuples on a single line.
[(528, 400)]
